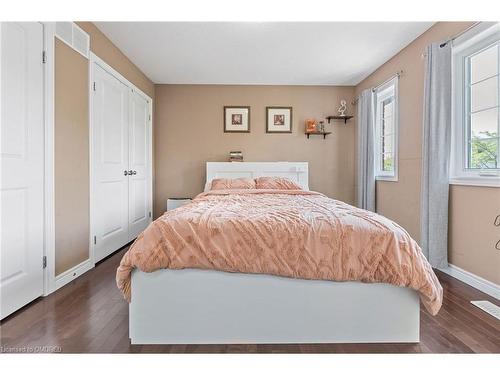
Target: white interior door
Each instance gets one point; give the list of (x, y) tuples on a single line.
[(22, 158), (139, 165), (110, 154)]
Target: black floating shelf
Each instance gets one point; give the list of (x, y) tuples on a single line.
[(324, 134), (345, 118)]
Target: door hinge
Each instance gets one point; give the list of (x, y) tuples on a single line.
[(95, 240), (149, 213), (44, 57), (149, 117), (44, 262), (94, 86)]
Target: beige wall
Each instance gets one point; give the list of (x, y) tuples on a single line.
[(472, 233), (189, 132), (470, 207), (71, 157), (71, 141)]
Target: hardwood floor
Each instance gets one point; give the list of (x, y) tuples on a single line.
[(90, 316)]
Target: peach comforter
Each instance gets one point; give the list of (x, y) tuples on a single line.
[(293, 233)]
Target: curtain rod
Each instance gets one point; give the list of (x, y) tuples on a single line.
[(374, 88), (461, 33), (456, 36), (398, 74)]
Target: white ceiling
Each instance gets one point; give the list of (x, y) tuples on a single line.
[(287, 53)]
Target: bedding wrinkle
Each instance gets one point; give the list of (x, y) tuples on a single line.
[(208, 222), (289, 233)]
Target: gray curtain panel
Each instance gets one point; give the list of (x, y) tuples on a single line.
[(366, 163), (436, 154)]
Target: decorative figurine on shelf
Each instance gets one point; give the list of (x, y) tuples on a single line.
[(321, 127), (342, 108)]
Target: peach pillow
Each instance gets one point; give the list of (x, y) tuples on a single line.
[(280, 183), (233, 183)]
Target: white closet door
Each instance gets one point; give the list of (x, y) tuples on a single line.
[(110, 154), (22, 157), (139, 163)]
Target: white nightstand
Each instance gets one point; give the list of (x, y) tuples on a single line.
[(176, 202)]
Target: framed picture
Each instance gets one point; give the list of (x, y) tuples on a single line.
[(236, 119), (279, 119)]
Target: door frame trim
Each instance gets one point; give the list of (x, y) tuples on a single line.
[(94, 59), (49, 153)]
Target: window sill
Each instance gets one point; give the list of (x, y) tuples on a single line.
[(476, 181)]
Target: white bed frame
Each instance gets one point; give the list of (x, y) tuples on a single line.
[(212, 307)]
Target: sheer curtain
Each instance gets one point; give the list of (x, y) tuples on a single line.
[(436, 154), (366, 163)]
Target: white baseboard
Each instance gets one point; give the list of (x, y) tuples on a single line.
[(475, 281), (73, 273)]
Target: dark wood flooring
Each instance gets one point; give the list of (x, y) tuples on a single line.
[(90, 316)]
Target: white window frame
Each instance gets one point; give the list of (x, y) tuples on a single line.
[(479, 38), (382, 93)]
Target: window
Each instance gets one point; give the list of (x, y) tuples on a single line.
[(476, 121), (386, 135)]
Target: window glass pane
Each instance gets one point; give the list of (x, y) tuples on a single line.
[(388, 162), (484, 153), (388, 125), (388, 107), (385, 131), (387, 144), (484, 94), (388, 116), (483, 139), (484, 122), (484, 64)]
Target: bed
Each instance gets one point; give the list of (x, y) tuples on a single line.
[(190, 303)]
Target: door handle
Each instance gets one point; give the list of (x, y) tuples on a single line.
[(125, 173), (130, 172)]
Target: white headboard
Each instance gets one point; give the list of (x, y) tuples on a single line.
[(295, 171)]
